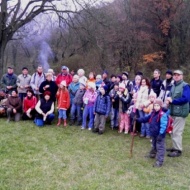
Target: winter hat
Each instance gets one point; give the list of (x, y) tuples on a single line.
[(152, 94), (47, 93), (98, 77), (122, 85), (126, 74), (159, 102), (92, 85), (63, 83), (64, 68), (169, 72), (105, 72)]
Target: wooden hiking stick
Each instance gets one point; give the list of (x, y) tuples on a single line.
[(133, 136)]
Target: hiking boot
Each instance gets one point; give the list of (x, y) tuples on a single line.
[(100, 132), (152, 156), (59, 122), (170, 149), (95, 130), (157, 164), (175, 153), (64, 123)]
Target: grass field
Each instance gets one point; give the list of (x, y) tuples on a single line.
[(68, 158)]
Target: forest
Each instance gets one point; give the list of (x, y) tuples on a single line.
[(121, 35)]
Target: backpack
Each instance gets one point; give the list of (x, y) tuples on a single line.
[(169, 127)]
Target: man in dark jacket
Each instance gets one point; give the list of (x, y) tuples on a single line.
[(179, 107), (8, 81)]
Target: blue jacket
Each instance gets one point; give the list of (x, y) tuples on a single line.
[(158, 123), (73, 87), (102, 105)]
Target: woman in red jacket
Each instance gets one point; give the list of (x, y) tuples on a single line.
[(29, 104)]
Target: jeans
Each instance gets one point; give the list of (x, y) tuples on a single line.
[(114, 117), (62, 114), (76, 108), (145, 131), (88, 110), (22, 96)]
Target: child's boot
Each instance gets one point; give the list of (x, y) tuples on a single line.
[(59, 122), (65, 123)]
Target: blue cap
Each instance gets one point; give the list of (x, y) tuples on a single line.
[(64, 67)]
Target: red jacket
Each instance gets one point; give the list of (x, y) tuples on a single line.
[(63, 99), (29, 103), (68, 78)]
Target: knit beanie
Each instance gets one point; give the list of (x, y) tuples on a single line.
[(159, 102), (126, 74), (47, 93), (169, 72)]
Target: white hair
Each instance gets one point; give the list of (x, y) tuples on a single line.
[(81, 71)]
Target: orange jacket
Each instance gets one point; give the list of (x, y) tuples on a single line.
[(63, 99)]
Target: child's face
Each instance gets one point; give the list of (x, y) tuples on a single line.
[(98, 79), (124, 77), (75, 79), (29, 94), (102, 91), (157, 107), (47, 97), (143, 83), (113, 79), (152, 98), (116, 87), (91, 76), (118, 79), (121, 90)]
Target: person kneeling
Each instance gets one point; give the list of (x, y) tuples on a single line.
[(158, 124), (101, 110), (45, 109)]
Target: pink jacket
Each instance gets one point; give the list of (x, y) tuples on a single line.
[(89, 97)]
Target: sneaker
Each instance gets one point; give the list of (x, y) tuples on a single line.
[(82, 127), (119, 131), (95, 130), (89, 129), (147, 137), (157, 164), (141, 136), (126, 132), (175, 153)]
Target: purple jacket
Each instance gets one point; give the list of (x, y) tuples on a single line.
[(89, 98)]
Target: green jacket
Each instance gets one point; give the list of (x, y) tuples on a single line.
[(7, 80), (180, 104)]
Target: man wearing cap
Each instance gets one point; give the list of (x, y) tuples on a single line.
[(64, 75), (166, 87), (179, 110), (8, 80), (23, 82), (37, 78)]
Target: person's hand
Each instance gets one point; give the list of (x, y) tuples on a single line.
[(169, 99), (14, 110), (9, 87), (47, 86), (36, 88)]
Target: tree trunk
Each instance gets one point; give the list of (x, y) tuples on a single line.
[(2, 66)]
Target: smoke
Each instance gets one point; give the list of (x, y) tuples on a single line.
[(44, 55)]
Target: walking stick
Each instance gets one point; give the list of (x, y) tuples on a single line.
[(133, 136)]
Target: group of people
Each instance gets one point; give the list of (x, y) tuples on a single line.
[(89, 101)]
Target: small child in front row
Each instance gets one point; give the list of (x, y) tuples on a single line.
[(158, 123), (63, 103), (124, 101), (101, 110)]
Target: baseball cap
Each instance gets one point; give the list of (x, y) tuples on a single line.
[(178, 72)]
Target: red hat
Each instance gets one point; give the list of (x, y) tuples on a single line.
[(47, 93)]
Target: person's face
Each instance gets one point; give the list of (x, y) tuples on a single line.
[(113, 79), (25, 72), (10, 71), (64, 71), (75, 79), (49, 77), (104, 75), (116, 87), (124, 77), (157, 107), (156, 74), (14, 93), (102, 91), (47, 97), (177, 77), (39, 69), (91, 76), (118, 79), (143, 83), (121, 90), (137, 80), (29, 94), (168, 76)]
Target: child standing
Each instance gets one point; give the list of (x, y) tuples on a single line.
[(101, 110), (63, 103), (124, 101), (158, 123), (89, 100)]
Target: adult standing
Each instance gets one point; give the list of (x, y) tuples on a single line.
[(37, 78), (49, 85), (127, 82), (166, 87), (106, 80), (8, 81), (64, 76), (23, 83), (156, 82), (179, 108)]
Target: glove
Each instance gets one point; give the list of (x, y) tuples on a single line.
[(160, 137)]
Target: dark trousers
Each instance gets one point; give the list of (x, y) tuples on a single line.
[(158, 146)]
